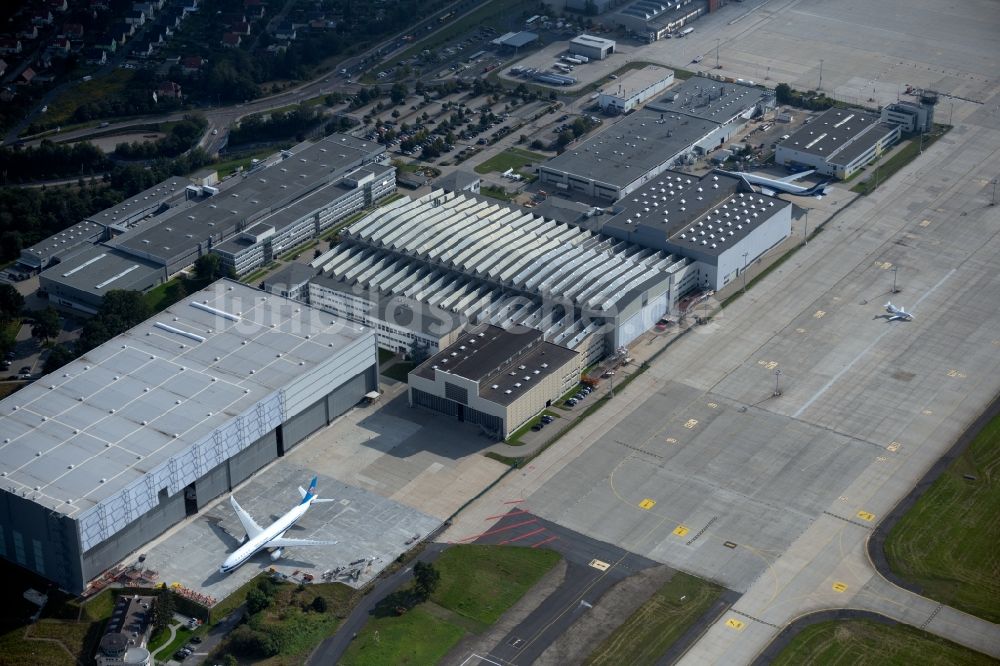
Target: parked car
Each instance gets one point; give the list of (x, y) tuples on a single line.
[(548, 419), (536, 427), (570, 403)]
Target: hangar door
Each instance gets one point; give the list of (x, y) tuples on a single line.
[(252, 458), (642, 320)]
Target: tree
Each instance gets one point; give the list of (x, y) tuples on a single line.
[(257, 600), (58, 356), (129, 307), (783, 93), (11, 302), (207, 267), (564, 138), (163, 611), (398, 93), (427, 579), (10, 244), (230, 660), (47, 324), (319, 605)]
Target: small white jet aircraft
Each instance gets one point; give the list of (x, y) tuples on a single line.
[(786, 185), (274, 535), (898, 313)]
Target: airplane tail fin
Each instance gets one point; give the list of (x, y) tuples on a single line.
[(308, 494)]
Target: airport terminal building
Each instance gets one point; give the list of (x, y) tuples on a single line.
[(108, 452)]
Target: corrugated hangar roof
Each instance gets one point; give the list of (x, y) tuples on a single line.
[(81, 434)]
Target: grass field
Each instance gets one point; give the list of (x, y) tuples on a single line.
[(496, 193), (481, 582), (515, 437), (651, 629), (512, 158), (906, 154), (416, 638), (947, 542), (863, 642), (61, 109), (245, 159), (399, 370)]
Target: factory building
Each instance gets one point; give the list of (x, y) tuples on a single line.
[(653, 19), (105, 454), (477, 261), (626, 155), (292, 281), (495, 378), (634, 88), (273, 208), (728, 105), (78, 283), (594, 48), (716, 221), (837, 143), (696, 117), (515, 40)]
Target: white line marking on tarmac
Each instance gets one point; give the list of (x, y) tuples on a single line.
[(481, 658), (867, 349)]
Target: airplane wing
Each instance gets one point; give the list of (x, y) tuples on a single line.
[(282, 542), (796, 176), (249, 524), (767, 191)]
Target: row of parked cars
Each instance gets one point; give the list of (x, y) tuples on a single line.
[(579, 396)]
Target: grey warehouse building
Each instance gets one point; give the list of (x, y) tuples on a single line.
[(105, 454), (837, 143)]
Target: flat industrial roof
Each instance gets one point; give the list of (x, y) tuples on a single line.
[(830, 131), (847, 154), (716, 208), (98, 269), (83, 433), (717, 101), (638, 80), (592, 41), (65, 242), (291, 275), (630, 148), (259, 194), (168, 191), (511, 361), (516, 40)]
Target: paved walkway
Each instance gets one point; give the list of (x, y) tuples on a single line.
[(173, 634)]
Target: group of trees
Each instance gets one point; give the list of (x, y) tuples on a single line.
[(181, 137), (120, 310), (261, 128), (134, 99), (51, 160), (578, 128), (814, 101), (257, 638)]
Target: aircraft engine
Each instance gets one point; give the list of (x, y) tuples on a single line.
[(276, 554)]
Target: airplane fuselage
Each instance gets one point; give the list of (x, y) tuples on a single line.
[(778, 185), (259, 542)]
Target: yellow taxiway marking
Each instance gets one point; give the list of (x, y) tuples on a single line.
[(884, 265), (839, 587), (671, 440), (647, 504), (893, 446), (926, 412), (733, 623), (864, 515), (690, 423), (819, 314), (680, 530), (956, 373), (881, 459), (800, 330), (601, 566), (843, 498), (713, 405), (925, 223), (770, 365)]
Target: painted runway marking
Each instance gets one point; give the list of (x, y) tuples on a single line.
[(819, 314), (499, 529), (544, 541), (524, 536), (480, 658), (515, 512), (893, 446), (925, 223), (513, 501), (885, 332), (713, 405), (647, 504), (864, 515), (599, 565), (690, 423), (671, 440), (956, 373), (839, 587), (681, 530), (733, 623)]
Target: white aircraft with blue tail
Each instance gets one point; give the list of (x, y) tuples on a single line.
[(273, 536)]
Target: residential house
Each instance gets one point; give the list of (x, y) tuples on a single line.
[(143, 50), (108, 42), (275, 49), (99, 5), (136, 18), (28, 32), (3, 67), (254, 8), (242, 28), (169, 89), (95, 56), (57, 5), (231, 40), (26, 76), (8, 94), (41, 17), (9, 45), (147, 8), (73, 30), (123, 31), (191, 6), (192, 64), (59, 46), (285, 31)]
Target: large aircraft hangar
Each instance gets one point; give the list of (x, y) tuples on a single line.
[(105, 454)]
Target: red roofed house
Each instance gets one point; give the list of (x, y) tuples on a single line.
[(254, 8), (26, 76), (169, 89), (73, 30), (231, 40), (192, 64)]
